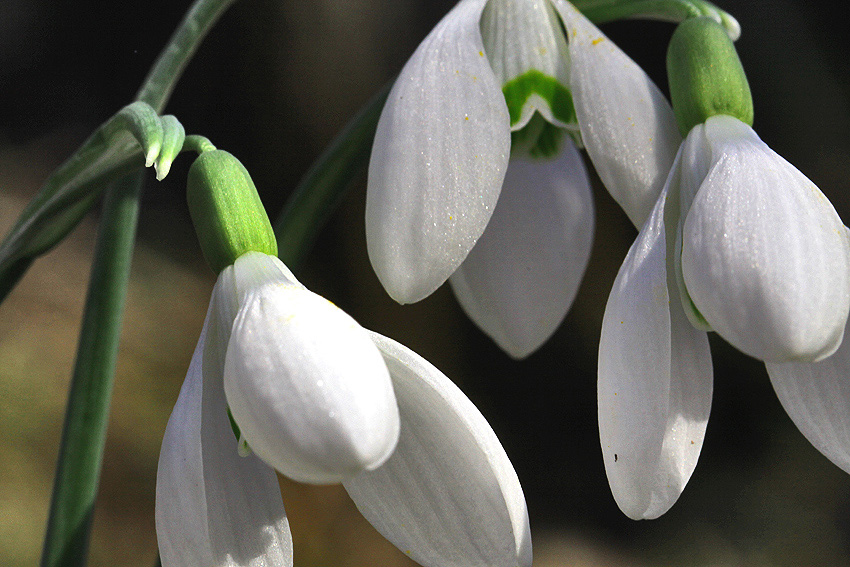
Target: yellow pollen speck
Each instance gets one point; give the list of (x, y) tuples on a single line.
[(481, 53), (598, 40), (466, 117)]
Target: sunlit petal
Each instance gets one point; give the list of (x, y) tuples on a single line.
[(519, 281), (627, 126), (448, 495), (765, 257), (817, 397), (438, 160), (308, 389), (655, 381), (214, 507)]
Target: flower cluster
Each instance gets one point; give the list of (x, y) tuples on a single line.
[(283, 380), (464, 185)]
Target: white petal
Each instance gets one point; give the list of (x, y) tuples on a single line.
[(655, 381), (308, 389), (438, 160), (212, 506), (627, 126), (765, 257), (526, 36), (519, 281), (817, 397), (448, 495)]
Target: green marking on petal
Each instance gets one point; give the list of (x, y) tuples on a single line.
[(242, 448), (531, 82)]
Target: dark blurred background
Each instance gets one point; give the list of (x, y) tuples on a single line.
[(273, 83)]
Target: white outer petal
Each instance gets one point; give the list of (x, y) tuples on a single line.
[(521, 36), (817, 397), (308, 389), (627, 126), (765, 257), (655, 381), (438, 160), (448, 495), (519, 281), (214, 508)]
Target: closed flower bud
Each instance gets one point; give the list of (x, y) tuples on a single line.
[(226, 210)]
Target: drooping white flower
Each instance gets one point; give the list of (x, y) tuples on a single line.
[(742, 243), (301, 385), (443, 149), (764, 256)]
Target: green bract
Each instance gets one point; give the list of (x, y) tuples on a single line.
[(226, 210), (706, 76)]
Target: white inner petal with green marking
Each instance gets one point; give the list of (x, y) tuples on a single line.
[(527, 50)]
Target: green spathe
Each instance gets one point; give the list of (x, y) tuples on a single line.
[(226, 210), (706, 76)]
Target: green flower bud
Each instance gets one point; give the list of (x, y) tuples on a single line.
[(706, 76), (226, 210)]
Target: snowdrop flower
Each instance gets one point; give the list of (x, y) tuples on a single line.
[(443, 163), (313, 395), (739, 242)]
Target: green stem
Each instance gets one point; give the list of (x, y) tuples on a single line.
[(323, 186), (601, 11), (84, 432)]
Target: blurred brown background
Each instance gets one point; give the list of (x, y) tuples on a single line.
[(272, 84)]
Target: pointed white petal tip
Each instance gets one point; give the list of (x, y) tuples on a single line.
[(520, 280), (655, 381), (438, 159), (765, 257), (817, 398), (448, 495), (307, 387), (627, 125)]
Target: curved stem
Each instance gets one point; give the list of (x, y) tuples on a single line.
[(601, 11)]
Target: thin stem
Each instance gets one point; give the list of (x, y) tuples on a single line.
[(323, 186), (84, 432), (601, 11)]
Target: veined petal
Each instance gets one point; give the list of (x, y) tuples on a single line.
[(627, 126), (817, 397), (448, 495), (438, 160), (765, 257), (310, 392), (519, 281), (213, 507), (528, 53), (655, 380)]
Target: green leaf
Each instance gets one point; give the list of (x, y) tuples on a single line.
[(87, 414)]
